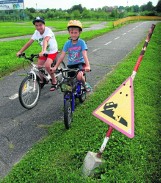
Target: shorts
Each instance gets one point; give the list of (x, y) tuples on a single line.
[(76, 66), (50, 55)]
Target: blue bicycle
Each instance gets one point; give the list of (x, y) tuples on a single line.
[(72, 89)]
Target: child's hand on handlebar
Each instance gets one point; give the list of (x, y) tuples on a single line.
[(41, 54), (18, 53), (87, 68)]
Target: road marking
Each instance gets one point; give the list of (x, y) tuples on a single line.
[(108, 43), (117, 38), (124, 34), (96, 49), (133, 28), (129, 30), (13, 97)]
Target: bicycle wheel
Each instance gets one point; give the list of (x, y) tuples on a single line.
[(82, 97), (67, 114), (29, 92)]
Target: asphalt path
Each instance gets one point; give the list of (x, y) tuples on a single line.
[(21, 128)]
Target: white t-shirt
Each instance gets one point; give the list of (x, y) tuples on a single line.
[(52, 43)]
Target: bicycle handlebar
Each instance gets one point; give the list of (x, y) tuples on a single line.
[(70, 70), (32, 56)]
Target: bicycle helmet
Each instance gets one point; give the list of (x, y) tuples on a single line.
[(74, 23), (38, 19)]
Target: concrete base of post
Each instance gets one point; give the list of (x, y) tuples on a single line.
[(91, 162)]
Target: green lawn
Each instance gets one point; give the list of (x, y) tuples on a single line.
[(59, 156), (9, 62), (11, 29)]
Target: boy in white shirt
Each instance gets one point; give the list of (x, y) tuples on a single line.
[(45, 37)]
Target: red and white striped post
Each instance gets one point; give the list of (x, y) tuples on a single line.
[(110, 129), (143, 51)]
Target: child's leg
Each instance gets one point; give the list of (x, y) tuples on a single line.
[(80, 77), (40, 63), (48, 63)]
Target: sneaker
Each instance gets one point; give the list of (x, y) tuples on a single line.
[(88, 88), (53, 87)]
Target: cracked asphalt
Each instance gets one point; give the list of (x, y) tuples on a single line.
[(21, 128)]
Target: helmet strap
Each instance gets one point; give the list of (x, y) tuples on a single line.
[(72, 39)]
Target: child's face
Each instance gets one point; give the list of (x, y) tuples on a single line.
[(40, 27), (74, 33)]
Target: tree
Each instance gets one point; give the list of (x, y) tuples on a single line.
[(143, 8), (114, 13), (121, 8), (50, 14), (86, 13), (158, 7), (76, 14), (136, 8), (31, 10), (77, 7), (149, 6)]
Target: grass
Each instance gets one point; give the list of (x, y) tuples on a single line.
[(9, 62), (58, 157), (11, 29)]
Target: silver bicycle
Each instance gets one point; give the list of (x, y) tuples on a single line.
[(30, 87)]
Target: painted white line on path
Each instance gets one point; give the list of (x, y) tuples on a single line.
[(96, 49), (124, 34), (129, 30), (117, 38), (13, 97), (108, 43)]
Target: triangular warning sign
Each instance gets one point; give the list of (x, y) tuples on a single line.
[(118, 109)]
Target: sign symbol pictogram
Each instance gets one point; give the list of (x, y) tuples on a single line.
[(118, 109)]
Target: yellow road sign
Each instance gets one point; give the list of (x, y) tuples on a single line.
[(118, 109)]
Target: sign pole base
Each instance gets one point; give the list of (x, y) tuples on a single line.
[(106, 139), (93, 160)]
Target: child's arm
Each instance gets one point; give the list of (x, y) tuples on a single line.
[(45, 44), (87, 65), (25, 47), (60, 59)]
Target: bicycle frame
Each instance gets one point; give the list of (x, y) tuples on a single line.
[(35, 70), (72, 89), (73, 95), (37, 73)]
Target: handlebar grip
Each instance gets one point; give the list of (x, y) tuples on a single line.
[(85, 70), (21, 55), (45, 55)]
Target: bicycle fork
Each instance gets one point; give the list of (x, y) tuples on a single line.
[(34, 79), (70, 97)]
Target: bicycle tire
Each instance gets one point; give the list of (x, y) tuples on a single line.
[(26, 91), (82, 97), (67, 114)]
